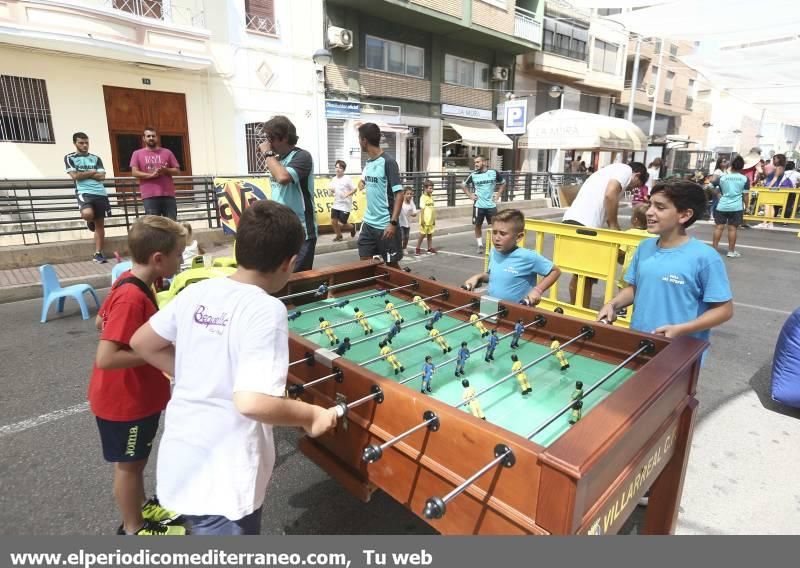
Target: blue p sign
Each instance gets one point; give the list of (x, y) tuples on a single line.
[(516, 112)]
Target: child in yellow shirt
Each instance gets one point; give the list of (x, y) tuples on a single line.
[(427, 220)]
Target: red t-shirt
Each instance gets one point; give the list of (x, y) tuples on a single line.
[(123, 395)]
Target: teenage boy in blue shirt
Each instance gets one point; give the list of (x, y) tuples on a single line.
[(480, 187), (512, 269), (679, 285)]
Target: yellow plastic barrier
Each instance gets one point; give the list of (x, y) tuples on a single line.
[(584, 251), (763, 197)]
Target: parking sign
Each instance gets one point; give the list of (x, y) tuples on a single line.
[(515, 116)]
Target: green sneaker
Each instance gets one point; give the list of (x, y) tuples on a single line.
[(153, 511), (151, 528)]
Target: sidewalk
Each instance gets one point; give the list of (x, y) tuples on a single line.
[(24, 284)]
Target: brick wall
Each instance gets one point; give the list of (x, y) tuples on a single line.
[(494, 18), (464, 96), (450, 7), (376, 84)]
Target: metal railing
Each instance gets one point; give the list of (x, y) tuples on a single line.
[(31, 208), (261, 24), (565, 52), (526, 26), (181, 12)]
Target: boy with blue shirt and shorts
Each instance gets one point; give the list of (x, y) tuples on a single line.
[(678, 284), (731, 188), (88, 173), (512, 269), (480, 187), (380, 235)]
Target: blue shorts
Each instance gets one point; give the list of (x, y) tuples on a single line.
[(127, 441), (217, 525)]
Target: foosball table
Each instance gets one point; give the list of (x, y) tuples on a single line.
[(505, 454)]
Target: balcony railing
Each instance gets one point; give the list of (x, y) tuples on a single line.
[(526, 26), (261, 24), (639, 87), (185, 13), (564, 52)]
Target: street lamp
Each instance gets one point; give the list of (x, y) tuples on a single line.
[(322, 57)]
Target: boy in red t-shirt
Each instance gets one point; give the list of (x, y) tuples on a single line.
[(127, 395)]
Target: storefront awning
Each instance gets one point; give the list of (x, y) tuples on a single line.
[(474, 133), (386, 127), (573, 130)]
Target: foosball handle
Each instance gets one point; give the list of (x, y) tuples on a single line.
[(341, 410), (435, 508), (466, 287), (525, 302)]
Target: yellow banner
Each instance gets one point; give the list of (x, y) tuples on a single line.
[(323, 199)]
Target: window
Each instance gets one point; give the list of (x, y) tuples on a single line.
[(465, 72), (256, 162), (689, 102), (260, 16), (146, 8), (668, 88), (604, 57), (673, 52), (657, 48), (25, 111), (590, 103), (565, 39), (608, 11), (393, 57)]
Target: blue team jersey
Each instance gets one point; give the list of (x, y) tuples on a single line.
[(512, 275), (427, 369), (675, 285), (484, 184), (732, 186), (298, 194), (463, 354), (381, 179), (518, 328), (76, 162), (493, 341)]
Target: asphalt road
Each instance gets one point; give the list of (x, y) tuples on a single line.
[(741, 476)]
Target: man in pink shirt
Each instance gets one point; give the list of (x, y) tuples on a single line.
[(154, 167)]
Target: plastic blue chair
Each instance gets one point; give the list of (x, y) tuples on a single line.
[(119, 268), (53, 291)]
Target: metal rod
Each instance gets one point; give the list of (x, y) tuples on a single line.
[(421, 341), (416, 322), (308, 357), (373, 453), (351, 300), (467, 482), (525, 367), (610, 374), (363, 400), (334, 286), (321, 379), (471, 351)]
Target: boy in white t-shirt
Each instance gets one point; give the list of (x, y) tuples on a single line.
[(406, 212), (230, 360), (342, 190)]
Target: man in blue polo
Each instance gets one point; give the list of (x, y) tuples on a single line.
[(381, 180), (88, 173), (480, 187)]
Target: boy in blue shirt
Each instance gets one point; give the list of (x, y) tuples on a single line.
[(427, 372), (679, 284), (463, 355), (513, 270), (493, 341), (730, 188), (480, 187), (88, 173)]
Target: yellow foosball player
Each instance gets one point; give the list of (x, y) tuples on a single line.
[(390, 309), (559, 353), (362, 321), (522, 378), (422, 305), (386, 352), (325, 327), (434, 334), (474, 405), (577, 411), (473, 319)]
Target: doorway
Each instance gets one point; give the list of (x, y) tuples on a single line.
[(414, 149)]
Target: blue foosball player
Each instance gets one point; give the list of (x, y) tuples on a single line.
[(493, 341), (341, 303), (322, 290), (395, 329), (343, 347), (294, 315), (518, 330), (437, 315), (463, 355), (427, 373)]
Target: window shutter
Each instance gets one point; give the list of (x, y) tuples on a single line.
[(260, 8)]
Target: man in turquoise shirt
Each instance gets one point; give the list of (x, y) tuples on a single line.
[(381, 180), (480, 186), (88, 173)]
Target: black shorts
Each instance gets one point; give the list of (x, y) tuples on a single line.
[(479, 214), (99, 204), (732, 218), (371, 243), (341, 216), (406, 232), (127, 441), (162, 206)]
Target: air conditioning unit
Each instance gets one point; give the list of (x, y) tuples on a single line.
[(651, 91), (500, 73), (340, 37)]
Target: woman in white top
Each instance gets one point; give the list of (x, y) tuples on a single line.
[(342, 190), (653, 173)]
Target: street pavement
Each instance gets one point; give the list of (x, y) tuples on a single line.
[(741, 477)]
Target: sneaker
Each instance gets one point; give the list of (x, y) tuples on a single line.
[(150, 528), (99, 258), (733, 254), (153, 511), (417, 251), (337, 239), (90, 225), (432, 250)]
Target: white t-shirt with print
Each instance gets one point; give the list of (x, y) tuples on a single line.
[(589, 208), (229, 337), (406, 212), (341, 186)]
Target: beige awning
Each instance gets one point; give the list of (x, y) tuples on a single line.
[(385, 126), (474, 133), (572, 130)]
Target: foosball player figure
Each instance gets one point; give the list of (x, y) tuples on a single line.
[(577, 394), (463, 355), (518, 330), (325, 327), (474, 405), (394, 330), (427, 372), (473, 319), (343, 347), (437, 315), (362, 321), (522, 379), (422, 305), (390, 309), (294, 315), (554, 344), (434, 334), (386, 352), (493, 341), (576, 411), (321, 291), (341, 303)]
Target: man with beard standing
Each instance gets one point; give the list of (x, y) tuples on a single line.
[(154, 167)]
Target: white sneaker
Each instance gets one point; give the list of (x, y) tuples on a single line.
[(733, 254)]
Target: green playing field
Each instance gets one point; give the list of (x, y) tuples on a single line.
[(504, 405)]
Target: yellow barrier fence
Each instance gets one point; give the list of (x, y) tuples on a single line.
[(584, 251), (786, 199)]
